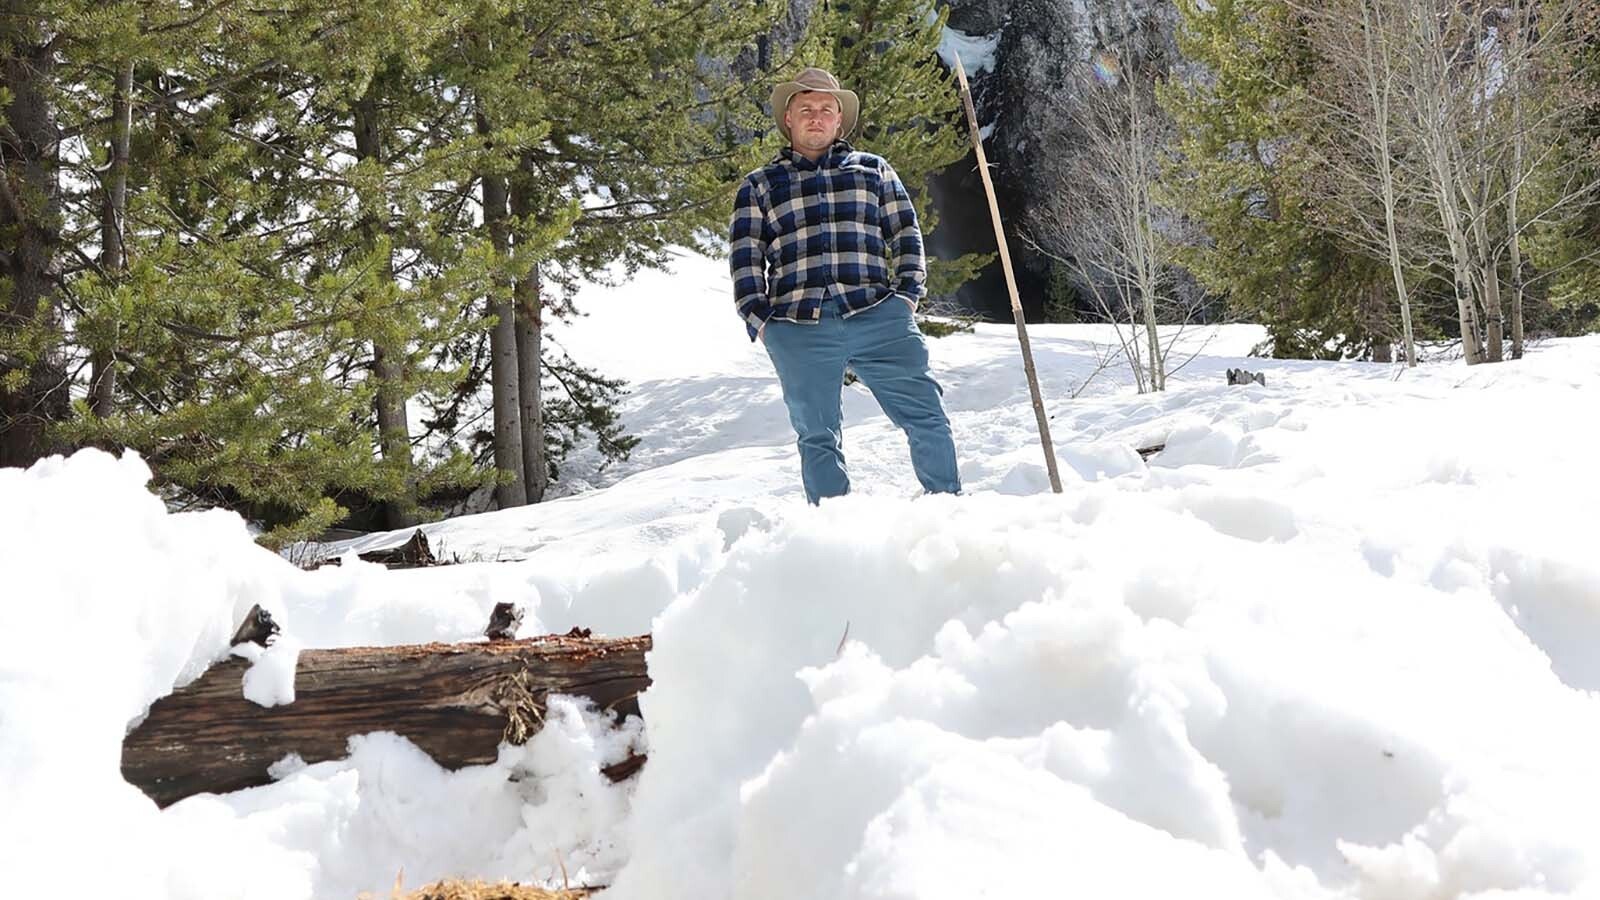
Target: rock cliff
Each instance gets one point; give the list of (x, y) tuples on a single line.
[(1024, 58)]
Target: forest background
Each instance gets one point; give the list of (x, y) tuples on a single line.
[(301, 256)]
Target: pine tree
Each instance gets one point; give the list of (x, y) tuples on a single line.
[(274, 239), (1241, 119), (1568, 251), (33, 368), (603, 142), (258, 279)]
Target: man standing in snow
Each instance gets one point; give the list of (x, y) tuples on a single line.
[(827, 272)]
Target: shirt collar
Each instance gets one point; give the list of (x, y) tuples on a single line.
[(838, 149)]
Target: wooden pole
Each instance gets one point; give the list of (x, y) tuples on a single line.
[(1011, 282)]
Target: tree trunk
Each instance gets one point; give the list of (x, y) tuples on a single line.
[(1380, 90), (1518, 140), (1494, 310), (1149, 248), (388, 355), (1437, 119), (535, 463), (530, 332), (1373, 321), (30, 205), (512, 489), (1471, 339), (113, 225), (1158, 375), (1517, 287), (457, 702)]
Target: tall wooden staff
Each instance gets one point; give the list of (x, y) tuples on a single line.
[(1011, 281)]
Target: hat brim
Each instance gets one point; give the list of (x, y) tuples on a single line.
[(849, 106)]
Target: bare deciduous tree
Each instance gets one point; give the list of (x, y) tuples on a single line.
[(1439, 113), (1103, 219), (1482, 98), (1353, 108)]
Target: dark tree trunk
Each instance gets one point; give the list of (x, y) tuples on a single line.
[(530, 332), (30, 206), (512, 489), (113, 225), (455, 701), (1375, 320), (388, 362)]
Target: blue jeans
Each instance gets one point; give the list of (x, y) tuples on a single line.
[(883, 347)]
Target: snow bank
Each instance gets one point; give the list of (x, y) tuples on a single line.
[(1336, 640), (926, 699), (110, 602)]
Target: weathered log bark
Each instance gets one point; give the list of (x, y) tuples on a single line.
[(455, 701)]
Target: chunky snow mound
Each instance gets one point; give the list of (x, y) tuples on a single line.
[(1335, 641)]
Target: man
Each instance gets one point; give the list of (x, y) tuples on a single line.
[(827, 272)]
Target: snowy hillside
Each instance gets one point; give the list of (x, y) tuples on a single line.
[(1336, 640)]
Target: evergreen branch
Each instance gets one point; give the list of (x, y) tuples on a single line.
[(89, 265), (587, 221), (283, 154), (569, 158), (174, 100), (133, 364), (291, 327), (187, 330), (651, 29), (10, 134), (195, 19), (609, 446), (13, 205)]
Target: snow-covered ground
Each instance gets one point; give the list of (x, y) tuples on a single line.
[(1337, 640)]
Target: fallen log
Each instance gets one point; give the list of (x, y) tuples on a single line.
[(455, 701), (415, 553)]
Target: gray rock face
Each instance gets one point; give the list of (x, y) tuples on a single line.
[(1045, 50), (1023, 99), (978, 16)]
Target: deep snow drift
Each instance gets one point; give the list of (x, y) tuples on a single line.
[(1335, 640)]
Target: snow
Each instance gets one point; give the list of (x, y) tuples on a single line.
[(270, 679), (1334, 641), (977, 52)]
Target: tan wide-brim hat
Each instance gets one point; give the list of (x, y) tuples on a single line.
[(814, 79)]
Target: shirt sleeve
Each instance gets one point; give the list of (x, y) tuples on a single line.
[(748, 239), (902, 235)]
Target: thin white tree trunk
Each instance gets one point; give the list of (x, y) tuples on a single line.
[(1516, 84), (1494, 310), (1380, 86), (1437, 123)]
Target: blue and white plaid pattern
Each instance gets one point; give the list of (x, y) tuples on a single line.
[(804, 232)]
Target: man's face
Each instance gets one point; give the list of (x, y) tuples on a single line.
[(813, 119)]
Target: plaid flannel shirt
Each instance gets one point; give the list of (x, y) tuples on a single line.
[(804, 232)]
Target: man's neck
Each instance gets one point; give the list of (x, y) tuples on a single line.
[(814, 155)]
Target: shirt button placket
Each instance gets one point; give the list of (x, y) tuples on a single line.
[(827, 231)]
